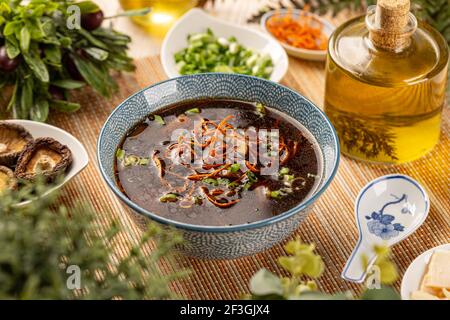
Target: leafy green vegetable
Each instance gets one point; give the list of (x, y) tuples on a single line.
[(207, 53), (50, 53)]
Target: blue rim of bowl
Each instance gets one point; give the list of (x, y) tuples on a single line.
[(218, 229), (269, 14)]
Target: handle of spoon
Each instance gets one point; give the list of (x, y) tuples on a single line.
[(354, 270)]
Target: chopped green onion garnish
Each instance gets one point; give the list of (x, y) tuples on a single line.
[(288, 177), (198, 200), (235, 167), (284, 171), (275, 194), (144, 161), (120, 154), (159, 119), (170, 197), (207, 53), (251, 177), (131, 160), (260, 109), (192, 111), (211, 181), (223, 181)]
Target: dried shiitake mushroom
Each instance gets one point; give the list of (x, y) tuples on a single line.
[(7, 179), (13, 138), (43, 157)]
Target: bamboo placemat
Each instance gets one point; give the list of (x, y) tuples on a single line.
[(330, 224)]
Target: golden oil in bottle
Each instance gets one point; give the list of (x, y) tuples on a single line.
[(164, 13), (386, 84)]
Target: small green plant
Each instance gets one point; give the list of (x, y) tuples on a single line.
[(40, 241), (301, 262)]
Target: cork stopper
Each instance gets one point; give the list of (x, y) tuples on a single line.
[(390, 24)]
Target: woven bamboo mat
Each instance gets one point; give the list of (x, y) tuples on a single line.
[(330, 225)]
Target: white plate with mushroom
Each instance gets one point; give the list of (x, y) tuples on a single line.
[(35, 132)]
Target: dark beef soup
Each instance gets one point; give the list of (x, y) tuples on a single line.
[(218, 163)]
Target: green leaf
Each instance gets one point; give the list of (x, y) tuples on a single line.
[(26, 97), (96, 77), (88, 7), (37, 66), (39, 112), (12, 47), (384, 293), (25, 38), (93, 40), (11, 27), (64, 106), (12, 101), (97, 54), (53, 55), (68, 84), (265, 283)]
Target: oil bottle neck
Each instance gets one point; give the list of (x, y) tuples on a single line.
[(390, 28)]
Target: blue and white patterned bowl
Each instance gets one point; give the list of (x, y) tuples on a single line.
[(225, 242)]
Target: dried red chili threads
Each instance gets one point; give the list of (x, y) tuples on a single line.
[(304, 32)]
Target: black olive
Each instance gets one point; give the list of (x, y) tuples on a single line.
[(57, 93), (91, 21), (7, 64), (72, 68)]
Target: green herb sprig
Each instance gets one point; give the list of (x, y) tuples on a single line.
[(301, 262), (43, 58), (40, 241)]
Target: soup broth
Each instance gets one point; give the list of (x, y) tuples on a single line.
[(218, 163)]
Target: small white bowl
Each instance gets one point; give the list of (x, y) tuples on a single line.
[(416, 270), (196, 20), (79, 154), (314, 55)]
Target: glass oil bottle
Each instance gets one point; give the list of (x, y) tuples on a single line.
[(386, 80)]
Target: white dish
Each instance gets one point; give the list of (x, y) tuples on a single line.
[(416, 270), (79, 154), (196, 20), (314, 55)]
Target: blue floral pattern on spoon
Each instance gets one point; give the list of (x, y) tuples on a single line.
[(382, 225)]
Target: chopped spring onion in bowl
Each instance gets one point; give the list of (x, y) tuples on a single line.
[(208, 53)]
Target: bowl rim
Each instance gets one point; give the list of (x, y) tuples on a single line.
[(269, 14), (218, 229), (283, 65)]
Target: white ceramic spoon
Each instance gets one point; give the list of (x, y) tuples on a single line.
[(388, 210)]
